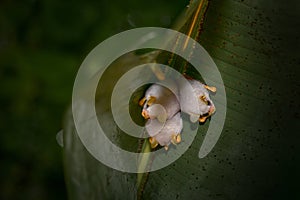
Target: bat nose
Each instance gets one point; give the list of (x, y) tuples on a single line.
[(145, 114), (212, 110)]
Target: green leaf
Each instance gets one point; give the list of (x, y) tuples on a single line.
[(255, 46)]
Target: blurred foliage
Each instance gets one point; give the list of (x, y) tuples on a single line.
[(42, 44)]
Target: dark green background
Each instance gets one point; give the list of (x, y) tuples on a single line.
[(42, 44)]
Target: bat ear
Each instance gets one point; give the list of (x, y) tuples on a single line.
[(210, 88), (151, 100), (142, 101), (153, 142)]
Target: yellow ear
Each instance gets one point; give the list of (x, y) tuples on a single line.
[(153, 142), (151, 100), (142, 101), (202, 119), (211, 88), (176, 139)]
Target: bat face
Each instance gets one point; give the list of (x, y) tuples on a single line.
[(204, 107), (159, 102)]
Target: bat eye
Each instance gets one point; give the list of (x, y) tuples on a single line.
[(203, 98), (208, 103)]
